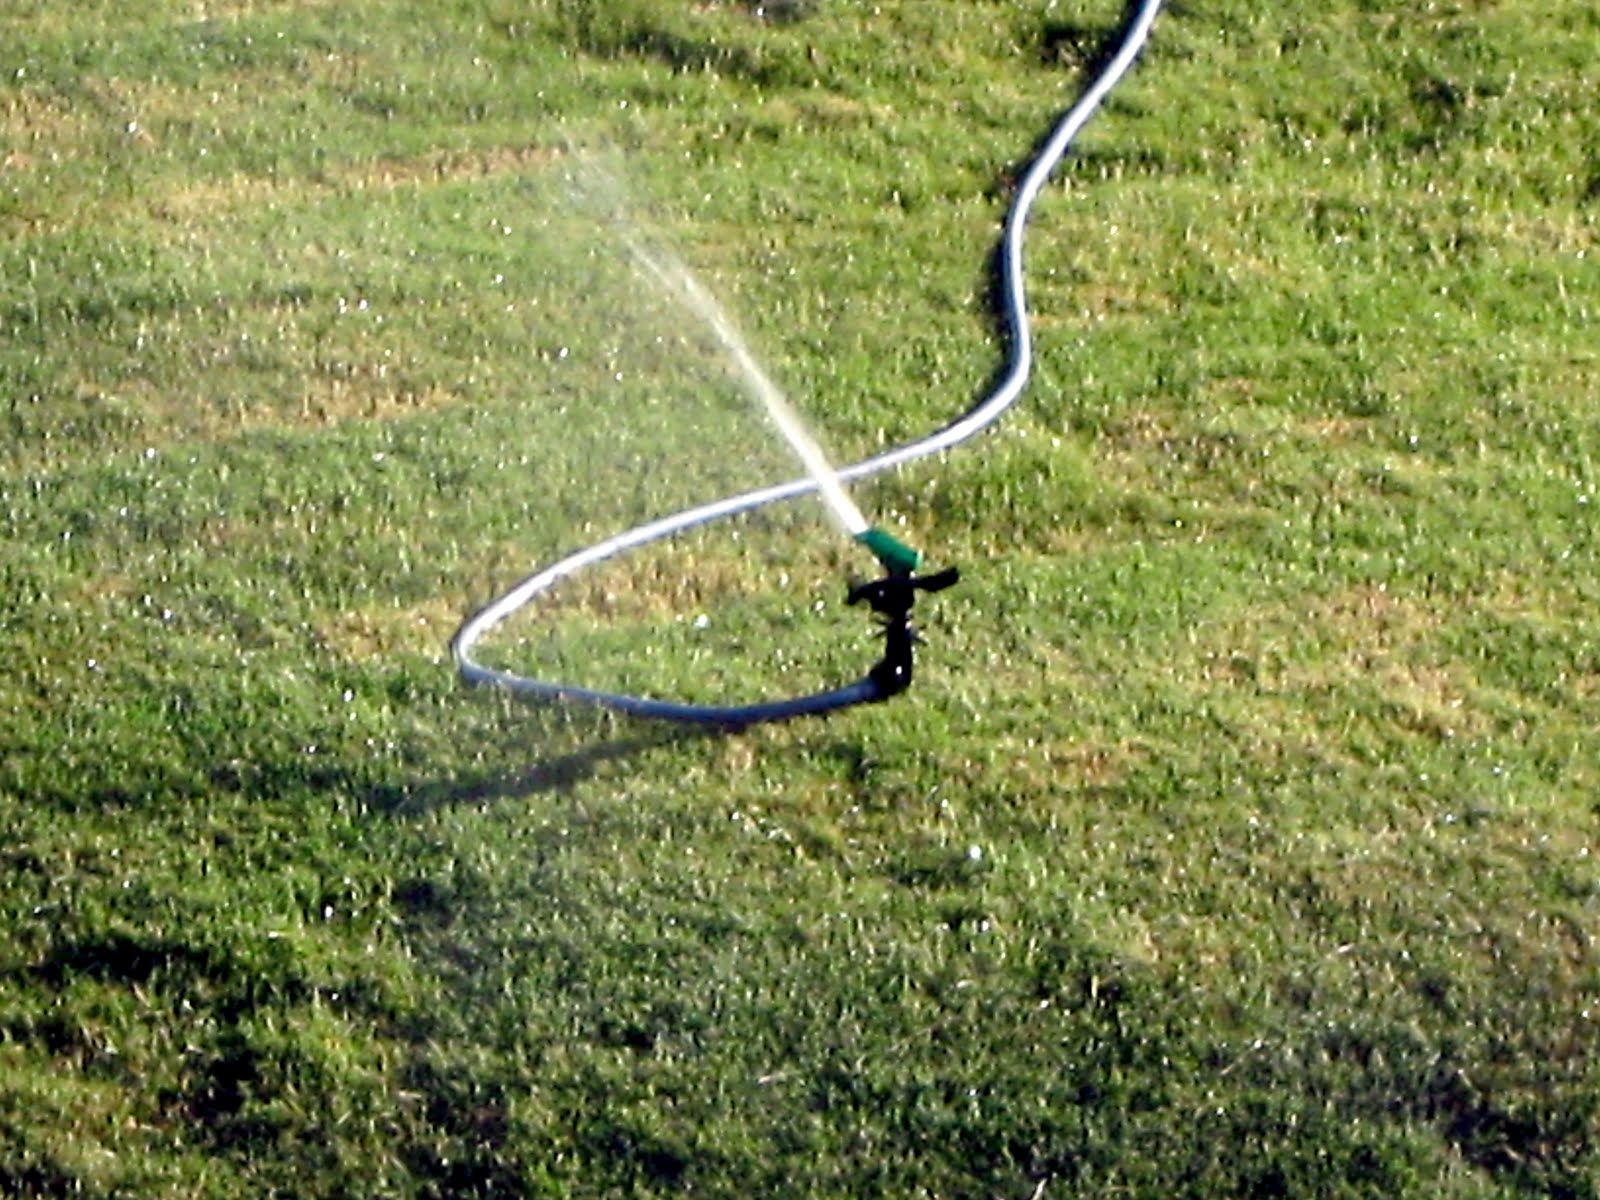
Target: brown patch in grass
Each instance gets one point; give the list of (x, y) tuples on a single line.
[(358, 635), (37, 128), (1122, 299), (1143, 435), (438, 166), (96, 589), (1569, 233), (828, 108), (1090, 764), (657, 586), (1142, 431), (1232, 388), (1331, 430), (243, 382), (1138, 431), (184, 204), (212, 197), (167, 417), (1365, 638), (230, 10), (679, 577), (363, 393)]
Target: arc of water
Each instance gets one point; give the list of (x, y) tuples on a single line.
[(675, 277)]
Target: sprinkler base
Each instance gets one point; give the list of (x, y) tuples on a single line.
[(891, 598)]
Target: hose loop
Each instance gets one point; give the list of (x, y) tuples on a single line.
[(986, 411)]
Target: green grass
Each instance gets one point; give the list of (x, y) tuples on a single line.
[(1237, 838)]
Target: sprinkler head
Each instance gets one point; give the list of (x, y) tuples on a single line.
[(897, 557), (891, 599)]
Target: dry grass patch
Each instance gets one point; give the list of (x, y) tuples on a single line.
[(176, 123), (1146, 451), (1111, 298), (37, 128), (1572, 233), (187, 202), (444, 166), (272, 368), (363, 393), (1433, 699), (655, 584), (233, 10), (385, 631), (1363, 641)]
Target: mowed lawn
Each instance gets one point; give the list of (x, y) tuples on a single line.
[(1238, 835)]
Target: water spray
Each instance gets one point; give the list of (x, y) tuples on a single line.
[(676, 278), (891, 597)]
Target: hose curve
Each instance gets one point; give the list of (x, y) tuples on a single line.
[(1019, 364)]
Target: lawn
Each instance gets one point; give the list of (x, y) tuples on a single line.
[(1238, 835)]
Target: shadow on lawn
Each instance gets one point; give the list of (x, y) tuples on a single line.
[(554, 772)]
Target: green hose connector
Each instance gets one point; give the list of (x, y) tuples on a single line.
[(897, 557)]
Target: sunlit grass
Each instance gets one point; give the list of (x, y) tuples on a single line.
[(1236, 838)]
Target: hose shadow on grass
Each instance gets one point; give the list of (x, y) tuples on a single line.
[(558, 771)]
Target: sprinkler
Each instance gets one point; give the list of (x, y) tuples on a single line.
[(890, 598)]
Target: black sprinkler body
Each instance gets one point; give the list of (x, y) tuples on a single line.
[(891, 598)]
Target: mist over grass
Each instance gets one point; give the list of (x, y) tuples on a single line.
[(1238, 835)]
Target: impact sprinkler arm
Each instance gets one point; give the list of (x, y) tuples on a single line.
[(892, 598)]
